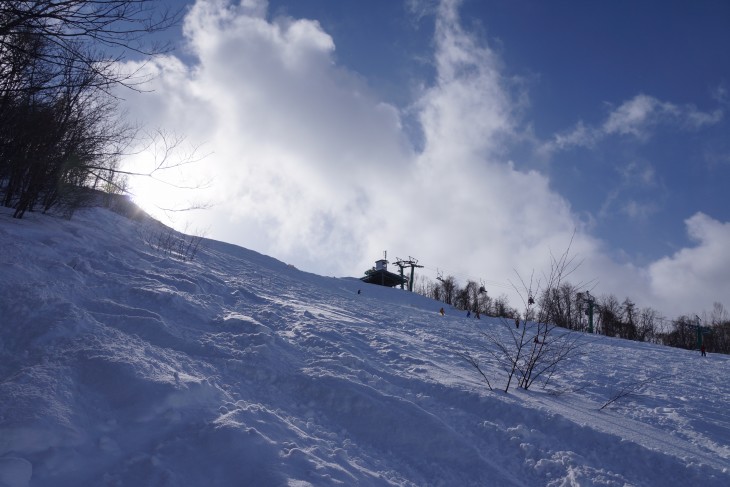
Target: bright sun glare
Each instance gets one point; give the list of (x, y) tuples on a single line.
[(176, 185)]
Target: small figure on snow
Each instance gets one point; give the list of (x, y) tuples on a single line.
[(358, 291), (468, 313), (442, 311), (517, 322), (478, 317), (702, 349)]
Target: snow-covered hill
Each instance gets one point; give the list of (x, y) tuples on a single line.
[(120, 366)]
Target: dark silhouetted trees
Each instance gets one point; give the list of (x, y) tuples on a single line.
[(559, 305), (60, 128)]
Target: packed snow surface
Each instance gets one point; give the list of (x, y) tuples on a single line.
[(123, 366)]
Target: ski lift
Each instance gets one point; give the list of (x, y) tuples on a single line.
[(439, 275), (530, 300), (482, 290)]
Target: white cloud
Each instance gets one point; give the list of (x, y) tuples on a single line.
[(638, 117), (694, 278), (696, 119), (632, 117), (302, 150), (310, 166), (720, 94), (579, 136), (631, 197), (642, 113)]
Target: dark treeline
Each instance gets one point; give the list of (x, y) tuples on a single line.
[(471, 297), (60, 128), (563, 307)]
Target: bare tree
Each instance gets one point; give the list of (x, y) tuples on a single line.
[(461, 298), (449, 287), (485, 304), (718, 315), (95, 33), (718, 340), (47, 150), (502, 308), (647, 325), (472, 292), (560, 306), (627, 329), (60, 129), (529, 350), (609, 315), (683, 333), (427, 287)]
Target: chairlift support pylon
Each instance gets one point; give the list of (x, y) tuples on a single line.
[(402, 264)]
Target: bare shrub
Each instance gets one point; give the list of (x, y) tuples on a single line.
[(631, 388), (171, 243), (529, 347)]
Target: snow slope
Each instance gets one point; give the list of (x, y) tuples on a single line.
[(122, 367)]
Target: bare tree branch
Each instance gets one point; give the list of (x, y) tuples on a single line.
[(533, 348), (632, 388)]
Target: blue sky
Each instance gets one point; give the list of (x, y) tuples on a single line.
[(576, 61), (476, 136)]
